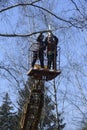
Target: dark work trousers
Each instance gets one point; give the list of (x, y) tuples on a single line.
[(39, 55), (51, 61)]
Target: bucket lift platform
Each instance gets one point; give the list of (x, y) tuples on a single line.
[(43, 73)]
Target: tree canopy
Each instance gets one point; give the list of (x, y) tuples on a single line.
[(20, 23)]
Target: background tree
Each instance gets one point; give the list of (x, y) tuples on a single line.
[(8, 119), (49, 118), (68, 21)]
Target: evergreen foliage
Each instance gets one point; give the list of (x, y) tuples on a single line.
[(8, 118), (48, 119)]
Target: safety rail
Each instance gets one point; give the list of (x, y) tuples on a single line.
[(33, 47)]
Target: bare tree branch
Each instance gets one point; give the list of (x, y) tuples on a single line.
[(48, 11), (76, 7), (16, 5), (2, 67), (74, 104), (23, 35)]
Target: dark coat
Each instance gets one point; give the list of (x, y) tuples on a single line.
[(51, 43)]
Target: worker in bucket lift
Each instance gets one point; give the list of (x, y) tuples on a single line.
[(51, 42), (39, 52)]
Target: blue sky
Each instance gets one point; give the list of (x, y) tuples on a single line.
[(73, 43)]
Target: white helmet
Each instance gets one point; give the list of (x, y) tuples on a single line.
[(49, 34)]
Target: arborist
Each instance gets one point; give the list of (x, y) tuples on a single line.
[(51, 42), (39, 51)]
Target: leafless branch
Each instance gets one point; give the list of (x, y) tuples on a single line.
[(17, 5), (6, 69), (74, 104), (23, 35), (42, 8), (59, 18), (76, 7)]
